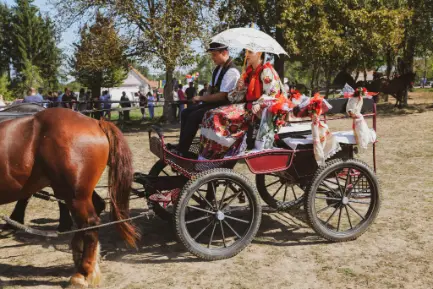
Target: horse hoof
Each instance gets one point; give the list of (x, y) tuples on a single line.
[(94, 278), (78, 281)]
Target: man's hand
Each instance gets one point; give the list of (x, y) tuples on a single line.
[(256, 108), (196, 99)]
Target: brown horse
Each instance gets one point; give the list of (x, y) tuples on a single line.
[(69, 152), (65, 224)]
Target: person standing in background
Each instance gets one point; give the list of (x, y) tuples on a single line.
[(151, 104), (182, 98), (190, 93), (125, 103), (143, 103), (32, 96), (205, 89)]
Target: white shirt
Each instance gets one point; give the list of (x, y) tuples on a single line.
[(175, 96), (229, 80)]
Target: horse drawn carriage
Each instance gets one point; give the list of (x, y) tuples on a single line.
[(216, 211)]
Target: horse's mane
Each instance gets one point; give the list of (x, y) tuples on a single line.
[(24, 107)]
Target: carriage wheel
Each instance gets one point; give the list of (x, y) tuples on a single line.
[(279, 191), (343, 200), (162, 210), (224, 226)]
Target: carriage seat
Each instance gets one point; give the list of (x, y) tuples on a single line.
[(299, 136)]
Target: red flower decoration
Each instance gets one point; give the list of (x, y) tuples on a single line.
[(233, 128), (267, 80)]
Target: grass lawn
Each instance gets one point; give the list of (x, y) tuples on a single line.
[(136, 114)]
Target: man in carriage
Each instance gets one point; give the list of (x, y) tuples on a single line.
[(224, 79)]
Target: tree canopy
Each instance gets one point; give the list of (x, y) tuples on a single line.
[(99, 59)]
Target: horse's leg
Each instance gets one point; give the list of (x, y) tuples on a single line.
[(65, 216), (18, 213), (65, 221), (85, 245), (98, 203)]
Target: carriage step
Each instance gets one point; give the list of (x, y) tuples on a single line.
[(167, 197), (27, 229)]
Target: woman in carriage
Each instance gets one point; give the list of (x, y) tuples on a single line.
[(257, 94)]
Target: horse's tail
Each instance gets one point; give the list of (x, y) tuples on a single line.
[(120, 178)]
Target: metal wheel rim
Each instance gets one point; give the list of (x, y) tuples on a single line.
[(216, 227), (340, 199)]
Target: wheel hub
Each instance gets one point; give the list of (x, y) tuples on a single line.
[(219, 215), (345, 200)]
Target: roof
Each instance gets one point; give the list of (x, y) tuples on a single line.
[(152, 83)]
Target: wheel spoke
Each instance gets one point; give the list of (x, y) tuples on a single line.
[(347, 181), (236, 209), (329, 188), (211, 235), (163, 171), (328, 198), (200, 209), (204, 199), (273, 196), (359, 202), (350, 206), (338, 183), (354, 185), (323, 209), (222, 199), (285, 193), (277, 181), (237, 219), (222, 233), (198, 219), (231, 228), (202, 230), (214, 194), (348, 217), (332, 215), (294, 194), (339, 219), (234, 197)]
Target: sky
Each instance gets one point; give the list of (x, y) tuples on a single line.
[(69, 36)]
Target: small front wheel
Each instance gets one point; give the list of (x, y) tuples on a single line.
[(343, 200), (222, 226)]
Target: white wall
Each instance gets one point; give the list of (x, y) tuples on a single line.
[(116, 93)]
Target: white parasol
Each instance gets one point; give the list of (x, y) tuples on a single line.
[(249, 38)]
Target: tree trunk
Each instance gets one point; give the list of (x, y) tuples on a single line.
[(318, 79), (357, 75), (409, 52), (279, 36), (389, 63), (96, 85), (313, 79), (168, 113), (328, 81)]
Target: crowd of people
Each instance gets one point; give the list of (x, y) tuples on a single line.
[(84, 102)]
